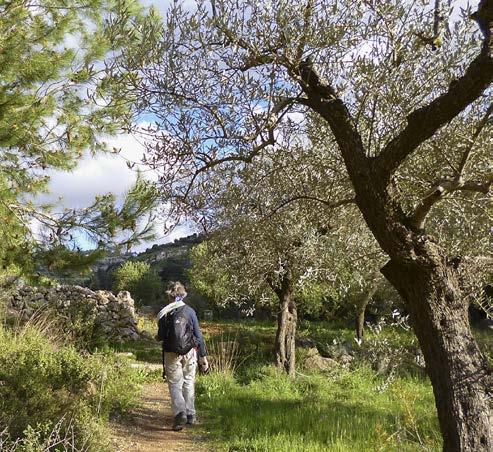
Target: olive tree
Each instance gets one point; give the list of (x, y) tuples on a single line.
[(392, 81), (275, 229), (288, 180)]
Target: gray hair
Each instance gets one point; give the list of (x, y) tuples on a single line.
[(176, 289)]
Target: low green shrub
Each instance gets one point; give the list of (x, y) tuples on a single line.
[(43, 385)]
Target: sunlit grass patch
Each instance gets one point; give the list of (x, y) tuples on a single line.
[(342, 412), (143, 350)]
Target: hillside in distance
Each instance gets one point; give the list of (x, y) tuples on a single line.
[(170, 260)]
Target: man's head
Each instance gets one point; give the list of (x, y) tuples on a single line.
[(176, 289)]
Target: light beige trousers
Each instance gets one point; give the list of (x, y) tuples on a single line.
[(180, 373)]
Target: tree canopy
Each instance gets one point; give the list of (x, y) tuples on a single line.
[(140, 280)]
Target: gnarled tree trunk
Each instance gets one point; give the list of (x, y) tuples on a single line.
[(429, 286), (287, 319), (418, 268), (458, 371)]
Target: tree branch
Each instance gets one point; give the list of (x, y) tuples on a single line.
[(326, 203), (270, 141), (425, 121), (439, 191), (477, 186), (469, 148), (306, 25), (322, 98), (254, 58)]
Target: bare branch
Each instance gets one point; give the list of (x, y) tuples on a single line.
[(286, 102), (323, 99), (306, 26), (437, 19), (270, 141), (257, 59), (477, 186), (435, 39)]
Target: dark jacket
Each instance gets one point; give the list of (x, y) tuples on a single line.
[(191, 316)]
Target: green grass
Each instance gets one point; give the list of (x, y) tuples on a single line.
[(340, 412), (143, 350), (256, 344), (257, 408)]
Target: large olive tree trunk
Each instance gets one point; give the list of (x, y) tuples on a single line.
[(429, 285), (458, 371), (287, 319)]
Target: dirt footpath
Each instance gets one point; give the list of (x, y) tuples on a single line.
[(147, 428)]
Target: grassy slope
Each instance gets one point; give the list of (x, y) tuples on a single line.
[(340, 412), (259, 409)]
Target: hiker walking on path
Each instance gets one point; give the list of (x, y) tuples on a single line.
[(178, 329)]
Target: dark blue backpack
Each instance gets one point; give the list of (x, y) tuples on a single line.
[(178, 332)]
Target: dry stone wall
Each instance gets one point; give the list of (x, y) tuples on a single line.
[(87, 315)]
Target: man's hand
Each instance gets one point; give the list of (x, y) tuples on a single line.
[(203, 364)]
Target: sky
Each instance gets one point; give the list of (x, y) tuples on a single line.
[(109, 173)]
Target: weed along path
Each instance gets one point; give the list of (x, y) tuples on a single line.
[(147, 427)]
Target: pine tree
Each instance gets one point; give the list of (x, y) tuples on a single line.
[(53, 109)]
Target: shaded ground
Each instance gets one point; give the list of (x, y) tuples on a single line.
[(147, 428)]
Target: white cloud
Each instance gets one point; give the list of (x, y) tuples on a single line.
[(102, 174)]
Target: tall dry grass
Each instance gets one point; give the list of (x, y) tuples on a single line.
[(62, 437), (224, 354)]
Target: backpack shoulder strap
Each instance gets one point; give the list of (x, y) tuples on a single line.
[(164, 365)]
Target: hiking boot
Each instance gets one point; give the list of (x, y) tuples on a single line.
[(191, 419), (179, 421)]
